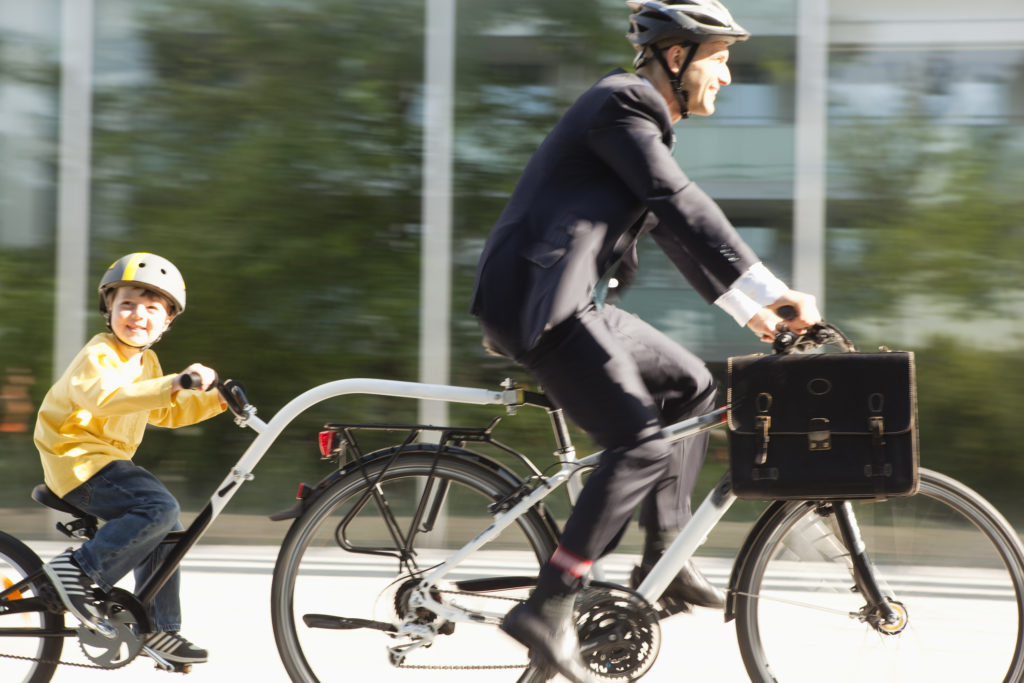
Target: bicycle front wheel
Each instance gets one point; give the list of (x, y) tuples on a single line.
[(341, 558), (951, 562), (24, 658)]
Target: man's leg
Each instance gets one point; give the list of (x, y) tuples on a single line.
[(591, 375), (682, 387)]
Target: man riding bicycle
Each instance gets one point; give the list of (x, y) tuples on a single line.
[(604, 177)]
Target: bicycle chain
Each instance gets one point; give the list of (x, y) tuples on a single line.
[(58, 662)]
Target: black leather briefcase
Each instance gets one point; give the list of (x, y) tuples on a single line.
[(824, 426)]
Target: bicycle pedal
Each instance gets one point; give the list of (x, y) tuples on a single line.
[(162, 664), (667, 606)]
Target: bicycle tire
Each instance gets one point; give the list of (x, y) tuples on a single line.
[(17, 561), (948, 556), (313, 573)]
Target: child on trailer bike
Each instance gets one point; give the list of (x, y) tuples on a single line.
[(89, 426)]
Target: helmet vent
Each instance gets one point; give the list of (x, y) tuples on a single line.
[(657, 16), (711, 20)]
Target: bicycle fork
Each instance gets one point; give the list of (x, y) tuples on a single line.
[(882, 611)]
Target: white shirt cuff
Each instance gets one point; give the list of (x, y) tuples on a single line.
[(759, 284), (737, 304)]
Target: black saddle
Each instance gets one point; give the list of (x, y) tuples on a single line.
[(83, 526)]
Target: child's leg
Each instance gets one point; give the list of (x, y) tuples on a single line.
[(138, 511), (165, 610)]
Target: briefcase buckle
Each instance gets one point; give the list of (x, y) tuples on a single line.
[(819, 435)]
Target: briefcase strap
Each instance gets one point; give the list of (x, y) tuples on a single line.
[(880, 470)]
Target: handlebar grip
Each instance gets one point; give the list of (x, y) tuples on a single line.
[(787, 312), (188, 380)]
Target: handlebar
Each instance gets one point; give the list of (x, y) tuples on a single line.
[(231, 391), (816, 336)]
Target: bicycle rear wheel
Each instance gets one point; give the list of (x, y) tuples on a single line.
[(315, 574), (40, 653), (950, 560)]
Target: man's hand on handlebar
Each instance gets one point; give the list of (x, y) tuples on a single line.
[(798, 309), (764, 324), (795, 311)]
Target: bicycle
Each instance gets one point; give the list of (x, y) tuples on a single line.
[(804, 563)]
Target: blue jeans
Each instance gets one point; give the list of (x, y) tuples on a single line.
[(138, 511)]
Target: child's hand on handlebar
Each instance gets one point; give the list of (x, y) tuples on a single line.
[(195, 376)]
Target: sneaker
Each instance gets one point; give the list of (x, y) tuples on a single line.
[(174, 648), (74, 588)]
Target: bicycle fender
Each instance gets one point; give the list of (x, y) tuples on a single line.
[(766, 520), (448, 451)]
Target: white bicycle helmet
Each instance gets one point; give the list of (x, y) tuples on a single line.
[(655, 26), (689, 21)]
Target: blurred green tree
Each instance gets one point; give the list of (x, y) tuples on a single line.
[(273, 151)]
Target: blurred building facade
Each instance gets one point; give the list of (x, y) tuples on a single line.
[(813, 68)]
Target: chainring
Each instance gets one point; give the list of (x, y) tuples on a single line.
[(127, 619), (618, 631)]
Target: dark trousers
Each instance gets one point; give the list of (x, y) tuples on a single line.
[(621, 381), (138, 511)]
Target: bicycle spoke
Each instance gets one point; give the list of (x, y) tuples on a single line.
[(326, 600)]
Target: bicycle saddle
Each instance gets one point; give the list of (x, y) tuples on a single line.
[(42, 494)]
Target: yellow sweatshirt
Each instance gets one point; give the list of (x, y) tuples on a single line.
[(97, 412)]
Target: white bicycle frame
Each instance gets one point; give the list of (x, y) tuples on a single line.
[(693, 535)]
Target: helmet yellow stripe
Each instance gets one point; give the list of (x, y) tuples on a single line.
[(132, 266)]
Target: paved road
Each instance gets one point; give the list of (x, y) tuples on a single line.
[(226, 593), (226, 597)]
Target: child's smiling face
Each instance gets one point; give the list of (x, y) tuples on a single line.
[(138, 318)]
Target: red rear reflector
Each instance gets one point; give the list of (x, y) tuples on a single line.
[(303, 491), (328, 441)]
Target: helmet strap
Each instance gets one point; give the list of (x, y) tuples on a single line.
[(676, 79)]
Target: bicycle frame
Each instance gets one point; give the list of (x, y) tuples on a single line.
[(707, 515), (267, 433), (705, 518)]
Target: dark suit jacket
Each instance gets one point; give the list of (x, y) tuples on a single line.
[(604, 176)]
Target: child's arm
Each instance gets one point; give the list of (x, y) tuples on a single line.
[(189, 407)]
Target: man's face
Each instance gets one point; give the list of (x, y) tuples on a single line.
[(707, 73)]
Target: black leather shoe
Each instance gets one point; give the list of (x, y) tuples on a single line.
[(551, 645), (688, 587)]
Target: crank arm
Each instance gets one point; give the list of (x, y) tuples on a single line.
[(496, 583)]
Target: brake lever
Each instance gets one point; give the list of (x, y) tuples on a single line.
[(233, 393)]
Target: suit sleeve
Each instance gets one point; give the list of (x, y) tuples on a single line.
[(631, 133)]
